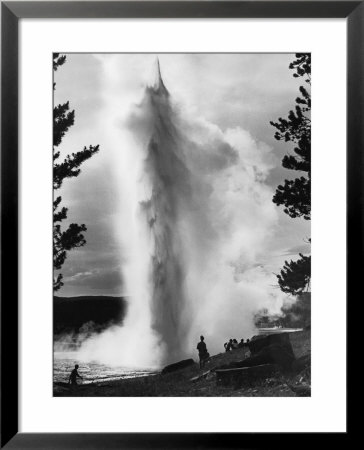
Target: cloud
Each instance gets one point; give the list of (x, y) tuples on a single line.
[(97, 278), (295, 250)]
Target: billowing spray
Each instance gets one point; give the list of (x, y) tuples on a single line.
[(199, 213)]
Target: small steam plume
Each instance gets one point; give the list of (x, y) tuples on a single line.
[(196, 221)]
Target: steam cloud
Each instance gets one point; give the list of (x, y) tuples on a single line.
[(194, 217)]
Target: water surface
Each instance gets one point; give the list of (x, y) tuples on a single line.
[(64, 363)]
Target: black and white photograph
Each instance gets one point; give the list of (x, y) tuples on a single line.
[(181, 224)]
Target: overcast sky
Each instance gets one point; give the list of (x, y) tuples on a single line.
[(229, 91)]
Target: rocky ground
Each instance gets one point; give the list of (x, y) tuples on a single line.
[(194, 382)]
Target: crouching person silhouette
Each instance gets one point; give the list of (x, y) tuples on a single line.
[(73, 376)]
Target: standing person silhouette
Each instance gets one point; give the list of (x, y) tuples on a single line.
[(73, 376), (202, 351), (229, 345)]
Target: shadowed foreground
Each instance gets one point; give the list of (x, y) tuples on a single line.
[(188, 382)]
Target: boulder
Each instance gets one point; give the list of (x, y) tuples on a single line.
[(282, 339), (272, 354), (178, 366)]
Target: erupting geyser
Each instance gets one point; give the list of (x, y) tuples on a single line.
[(199, 214), (171, 192)]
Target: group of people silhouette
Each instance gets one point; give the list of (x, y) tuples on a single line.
[(233, 344)]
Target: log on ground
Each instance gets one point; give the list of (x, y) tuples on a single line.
[(244, 375)]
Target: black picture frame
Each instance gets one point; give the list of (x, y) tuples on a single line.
[(11, 12)]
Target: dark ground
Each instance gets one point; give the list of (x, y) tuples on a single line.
[(179, 384)]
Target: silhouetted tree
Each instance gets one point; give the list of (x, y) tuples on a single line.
[(72, 237), (295, 275), (295, 195)]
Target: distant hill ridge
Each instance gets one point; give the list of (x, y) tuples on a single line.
[(70, 314)]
